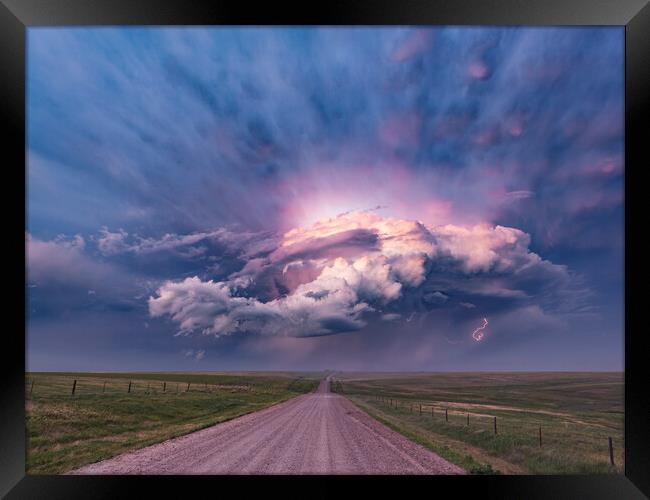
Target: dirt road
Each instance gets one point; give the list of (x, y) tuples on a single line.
[(316, 433)]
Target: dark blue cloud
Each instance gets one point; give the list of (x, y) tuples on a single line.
[(182, 131)]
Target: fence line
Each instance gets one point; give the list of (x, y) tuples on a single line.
[(79, 387), (389, 401)]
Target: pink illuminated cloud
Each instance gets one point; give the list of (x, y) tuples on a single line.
[(418, 42), (478, 70), (341, 270)]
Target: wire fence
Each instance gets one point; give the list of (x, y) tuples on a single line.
[(81, 386), (75, 386), (457, 416)]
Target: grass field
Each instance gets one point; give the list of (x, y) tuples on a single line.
[(577, 413), (103, 419)]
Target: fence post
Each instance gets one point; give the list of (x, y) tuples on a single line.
[(495, 426), (129, 387), (164, 386), (540, 436), (74, 387), (611, 451), (188, 387), (446, 415), (104, 387), (31, 388), (420, 409), (467, 418)]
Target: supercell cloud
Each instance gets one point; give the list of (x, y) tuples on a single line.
[(325, 197), (336, 274)]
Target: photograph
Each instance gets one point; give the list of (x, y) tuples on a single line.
[(325, 250)]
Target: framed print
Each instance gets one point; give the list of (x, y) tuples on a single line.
[(388, 244)]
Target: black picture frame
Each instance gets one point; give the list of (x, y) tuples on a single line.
[(16, 16)]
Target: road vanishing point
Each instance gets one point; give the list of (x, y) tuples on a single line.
[(316, 433)]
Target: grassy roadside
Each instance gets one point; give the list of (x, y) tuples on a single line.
[(577, 414), (103, 419), (456, 452)]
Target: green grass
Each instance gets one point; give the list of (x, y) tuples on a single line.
[(576, 411), (102, 419)]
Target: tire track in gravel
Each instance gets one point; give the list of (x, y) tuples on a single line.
[(316, 433)]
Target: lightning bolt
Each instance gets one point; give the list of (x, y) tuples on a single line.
[(478, 333)]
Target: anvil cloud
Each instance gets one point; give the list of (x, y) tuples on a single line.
[(325, 197), (325, 278)]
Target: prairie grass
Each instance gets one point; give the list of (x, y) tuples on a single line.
[(102, 419), (577, 413)]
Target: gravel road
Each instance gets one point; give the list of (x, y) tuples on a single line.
[(316, 433)]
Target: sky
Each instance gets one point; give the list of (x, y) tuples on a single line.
[(360, 199)]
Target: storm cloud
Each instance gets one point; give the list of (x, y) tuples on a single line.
[(332, 276), (323, 197)]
